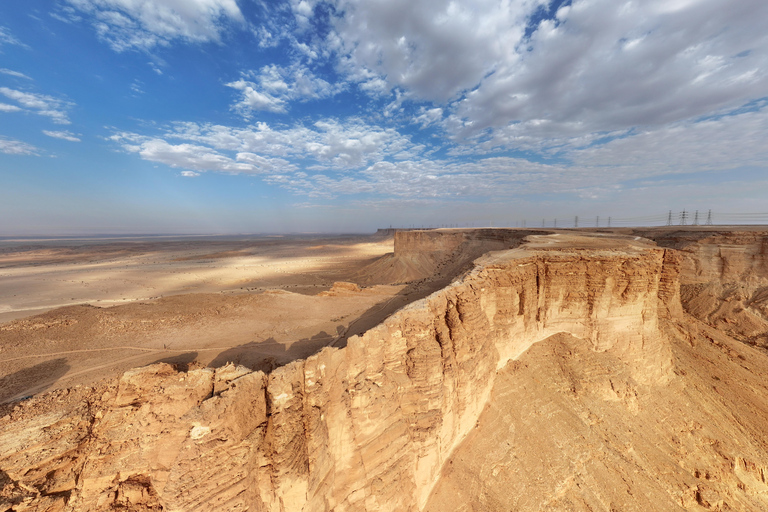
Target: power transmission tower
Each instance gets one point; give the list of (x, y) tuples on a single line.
[(576, 222), (554, 224), (597, 221), (696, 218), (542, 222), (669, 219), (609, 222), (709, 218), (523, 222), (684, 218)]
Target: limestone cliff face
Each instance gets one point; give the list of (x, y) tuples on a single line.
[(421, 254), (365, 427), (723, 257), (724, 279)]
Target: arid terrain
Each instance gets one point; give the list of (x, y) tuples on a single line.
[(116, 305), (469, 370)]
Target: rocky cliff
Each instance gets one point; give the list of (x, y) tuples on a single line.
[(366, 427), (724, 278), (432, 254), (369, 426)]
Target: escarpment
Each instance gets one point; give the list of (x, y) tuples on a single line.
[(369, 426), (435, 255), (366, 427), (724, 278)]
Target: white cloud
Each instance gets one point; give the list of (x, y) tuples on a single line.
[(332, 158), (274, 86), (596, 66), (730, 141), (194, 157), (189, 174), (7, 38), (616, 65), (11, 72), (64, 135), (329, 142), (41, 104), (427, 117), (434, 48), (255, 100), (136, 87), (144, 24), (17, 147), (4, 107)]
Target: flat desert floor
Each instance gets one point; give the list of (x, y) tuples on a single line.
[(78, 310)]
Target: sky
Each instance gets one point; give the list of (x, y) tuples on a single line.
[(251, 116)]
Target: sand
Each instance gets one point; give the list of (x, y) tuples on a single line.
[(76, 311)]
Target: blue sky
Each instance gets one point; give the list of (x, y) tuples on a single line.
[(200, 116)]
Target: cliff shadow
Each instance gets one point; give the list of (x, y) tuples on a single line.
[(446, 272), (32, 380), (269, 354), (180, 362), (448, 266)]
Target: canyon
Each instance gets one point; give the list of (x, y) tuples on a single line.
[(522, 370)]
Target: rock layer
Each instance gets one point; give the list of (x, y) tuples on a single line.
[(366, 427), (724, 277)]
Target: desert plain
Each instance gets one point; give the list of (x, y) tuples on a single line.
[(77, 310), (468, 370)]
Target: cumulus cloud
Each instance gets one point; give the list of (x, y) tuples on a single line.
[(144, 24), (4, 107), (328, 143), (435, 48), (593, 66), (64, 135), (17, 147), (333, 158), (271, 88), (605, 66), (430, 116), (197, 158), (40, 104)]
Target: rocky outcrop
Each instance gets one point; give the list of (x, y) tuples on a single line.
[(724, 277), (432, 254), (365, 427)]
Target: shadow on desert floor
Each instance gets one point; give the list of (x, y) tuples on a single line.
[(270, 354), (182, 362), (35, 379)]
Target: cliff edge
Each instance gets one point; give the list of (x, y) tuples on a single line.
[(378, 424)]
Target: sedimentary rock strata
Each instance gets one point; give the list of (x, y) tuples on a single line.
[(374, 425), (724, 277)]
